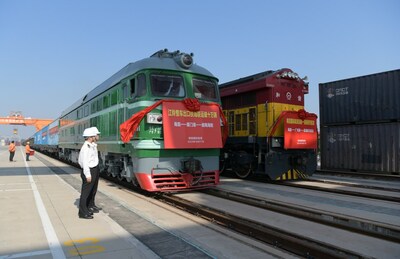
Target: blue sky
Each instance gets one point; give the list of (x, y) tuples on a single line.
[(54, 52)]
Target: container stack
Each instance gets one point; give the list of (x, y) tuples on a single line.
[(360, 123)]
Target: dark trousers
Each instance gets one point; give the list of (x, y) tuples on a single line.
[(27, 156), (12, 156), (89, 190)]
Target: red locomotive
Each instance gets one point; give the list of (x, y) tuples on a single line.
[(269, 130)]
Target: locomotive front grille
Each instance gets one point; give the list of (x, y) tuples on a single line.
[(184, 181)]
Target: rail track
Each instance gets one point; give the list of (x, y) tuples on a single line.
[(364, 175), (360, 193), (358, 185)]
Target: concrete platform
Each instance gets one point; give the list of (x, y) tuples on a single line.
[(39, 217)]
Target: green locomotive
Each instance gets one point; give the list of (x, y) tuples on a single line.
[(170, 110)]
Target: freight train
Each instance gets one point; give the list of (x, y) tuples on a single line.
[(161, 124), (270, 133)]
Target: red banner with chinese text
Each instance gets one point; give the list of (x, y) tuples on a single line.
[(300, 133), (185, 129)]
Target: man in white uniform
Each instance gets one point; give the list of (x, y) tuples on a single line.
[(89, 162)]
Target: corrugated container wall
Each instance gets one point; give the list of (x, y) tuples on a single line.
[(361, 148), (365, 99)]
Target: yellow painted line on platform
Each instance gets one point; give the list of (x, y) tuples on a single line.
[(84, 246)]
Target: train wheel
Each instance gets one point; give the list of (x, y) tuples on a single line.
[(135, 182), (243, 171), (242, 164), (222, 165), (120, 177)]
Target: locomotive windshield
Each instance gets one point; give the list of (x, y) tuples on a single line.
[(204, 89), (163, 85)]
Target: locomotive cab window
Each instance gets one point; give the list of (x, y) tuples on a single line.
[(141, 85), (132, 87), (165, 85), (204, 89)]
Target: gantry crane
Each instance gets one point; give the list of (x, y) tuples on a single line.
[(16, 118)]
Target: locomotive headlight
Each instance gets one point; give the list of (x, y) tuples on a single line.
[(153, 118), (184, 60)]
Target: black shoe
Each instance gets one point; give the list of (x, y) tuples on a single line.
[(97, 208), (87, 216), (93, 210)]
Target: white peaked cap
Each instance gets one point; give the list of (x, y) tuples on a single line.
[(95, 130), (90, 132)]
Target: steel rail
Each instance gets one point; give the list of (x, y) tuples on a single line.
[(376, 176), (338, 191), (331, 181)]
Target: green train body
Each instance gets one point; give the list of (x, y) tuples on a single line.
[(144, 159)]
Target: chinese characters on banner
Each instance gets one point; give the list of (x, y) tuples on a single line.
[(191, 129), (300, 134)]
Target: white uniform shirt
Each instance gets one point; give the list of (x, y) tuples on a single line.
[(88, 157)]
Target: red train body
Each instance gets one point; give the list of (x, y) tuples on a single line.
[(269, 130)]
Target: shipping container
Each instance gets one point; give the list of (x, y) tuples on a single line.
[(364, 99), (361, 148)]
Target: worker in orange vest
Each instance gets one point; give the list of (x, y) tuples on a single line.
[(27, 150), (11, 148)]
